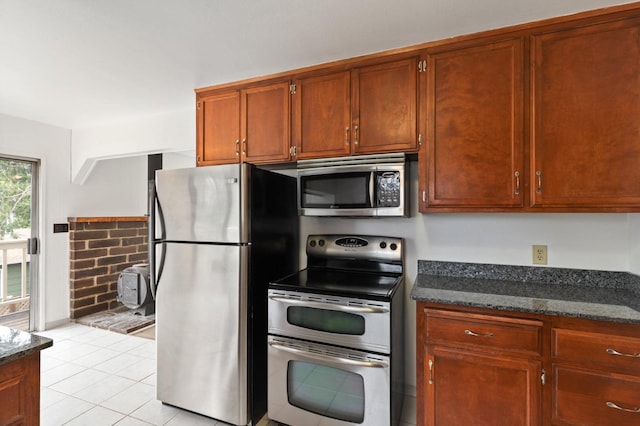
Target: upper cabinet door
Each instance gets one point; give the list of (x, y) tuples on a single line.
[(322, 116), (218, 129), (265, 123), (586, 117), (473, 156), (384, 106)]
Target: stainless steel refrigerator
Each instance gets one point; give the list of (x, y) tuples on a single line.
[(220, 234)]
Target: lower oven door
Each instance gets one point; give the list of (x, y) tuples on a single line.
[(350, 322), (314, 384)]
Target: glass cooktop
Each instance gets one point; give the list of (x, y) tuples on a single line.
[(340, 283)]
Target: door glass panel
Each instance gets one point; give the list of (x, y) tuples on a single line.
[(16, 188), (324, 390), (326, 320)]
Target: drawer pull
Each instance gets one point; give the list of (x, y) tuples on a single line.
[(472, 333), (614, 352), (617, 407)]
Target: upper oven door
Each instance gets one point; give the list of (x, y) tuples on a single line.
[(355, 323)]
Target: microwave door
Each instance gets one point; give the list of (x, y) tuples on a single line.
[(337, 194)]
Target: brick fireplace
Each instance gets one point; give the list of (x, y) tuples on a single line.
[(100, 248)]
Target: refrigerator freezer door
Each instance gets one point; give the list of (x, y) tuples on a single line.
[(200, 204), (202, 330)]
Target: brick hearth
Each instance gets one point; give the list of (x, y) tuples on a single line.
[(100, 248)]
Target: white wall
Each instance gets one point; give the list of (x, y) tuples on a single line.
[(634, 243), (115, 187), (584, 241), (51, 145), (173, 131)]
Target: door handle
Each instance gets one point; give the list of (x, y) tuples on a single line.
[(332, 306), (33, 246), (337, 359)]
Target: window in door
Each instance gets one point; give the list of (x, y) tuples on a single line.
[(18, 242)]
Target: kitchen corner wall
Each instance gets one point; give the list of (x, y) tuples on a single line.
[(604, 241)]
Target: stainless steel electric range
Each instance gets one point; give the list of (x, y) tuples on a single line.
[(335, 354)]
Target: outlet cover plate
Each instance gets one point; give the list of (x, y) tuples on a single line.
[(539, 253)]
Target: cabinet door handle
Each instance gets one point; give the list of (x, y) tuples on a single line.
[(614, 352), (237, 147), (474, 334), (355, 135), (430, 372), (539, 187), (617, 407), (346, 132), (244, 146), (517, 175)]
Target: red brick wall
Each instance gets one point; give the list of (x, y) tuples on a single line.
[(100, 248)]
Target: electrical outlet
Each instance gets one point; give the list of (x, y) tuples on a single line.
[(539, 254)]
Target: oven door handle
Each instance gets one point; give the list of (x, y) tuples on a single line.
[(336, 359), (331, 306)]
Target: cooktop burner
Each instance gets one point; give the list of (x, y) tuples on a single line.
[(357, 266)]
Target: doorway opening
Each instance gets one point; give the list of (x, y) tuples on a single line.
[(18, 242)]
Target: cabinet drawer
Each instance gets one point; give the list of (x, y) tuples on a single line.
[(483, 331), (583, 397), (614, 352)]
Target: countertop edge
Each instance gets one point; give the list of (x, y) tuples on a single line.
[(36, 344)]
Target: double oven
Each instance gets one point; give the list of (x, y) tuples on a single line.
[(335, 343)]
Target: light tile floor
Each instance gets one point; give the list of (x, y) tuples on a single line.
[(96, 377)]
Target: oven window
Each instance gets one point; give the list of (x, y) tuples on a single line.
[(326, 320), (327, 391), (340, 190)]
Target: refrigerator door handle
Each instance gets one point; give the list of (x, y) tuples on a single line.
[(153, 204)]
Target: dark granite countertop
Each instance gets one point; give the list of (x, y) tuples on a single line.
[(15, 344), (599, 295)]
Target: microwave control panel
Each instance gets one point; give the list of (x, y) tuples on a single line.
[(389, 187)]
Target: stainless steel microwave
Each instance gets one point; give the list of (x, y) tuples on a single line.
[(372, 185)]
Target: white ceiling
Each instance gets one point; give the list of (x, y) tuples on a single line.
[(84, 63)]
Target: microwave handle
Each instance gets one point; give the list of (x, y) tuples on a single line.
[(374, 202), (331, 306), (340, 360)]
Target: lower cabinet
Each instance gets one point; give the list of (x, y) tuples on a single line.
[(587, 397), (465, 387), (20, 391), (491, 367), (596, 375), (479, 369)]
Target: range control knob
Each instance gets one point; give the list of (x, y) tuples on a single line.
[(393, 246), (312, 243), (383, 245), (321, 243)]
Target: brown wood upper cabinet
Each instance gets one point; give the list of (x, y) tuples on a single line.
[(321, 107), (251, 124), (585, 109), (544, 121), (366, 110), (384, 107), (473, 155)]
